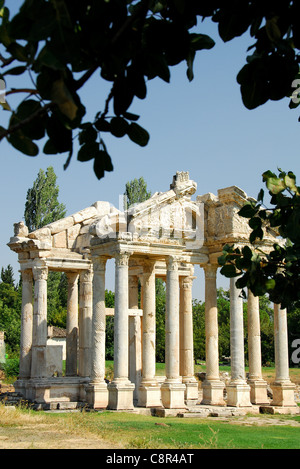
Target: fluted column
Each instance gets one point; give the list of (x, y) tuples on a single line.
[(172, 390), (258, 387), (283, 388), (149, 391), (97, 394), (187, 340), (135, 337), (238, 392), (39, 333), (121, 389), (85, 323), (72, 325), (26, 325), (212, 386)]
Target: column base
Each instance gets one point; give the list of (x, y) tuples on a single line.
[(21, 385), (120, 395), (283, 394), (213, 393), (238, 394), (191, 393), (149, 395), (258, 392), (97, 395), (172, 395)]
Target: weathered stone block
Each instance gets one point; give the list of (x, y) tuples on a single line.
[(60, 240)]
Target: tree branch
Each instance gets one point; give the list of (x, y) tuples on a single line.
[(21, 90)]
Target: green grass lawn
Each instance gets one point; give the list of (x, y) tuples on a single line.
[(145, 432)]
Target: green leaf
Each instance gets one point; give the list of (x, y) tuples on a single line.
[(63, 98), (23, 144), (275, 185), (59, 134), (88, 134), (18, 52), (15, 71), (102, 125), (35, 128), (102, 163), (229, 271), (88, 151), (270, 284), (131, 117), (118, 126), (290, 181), (247, 253), (50, 148), (201, 41), (137, 134), (247, 211)]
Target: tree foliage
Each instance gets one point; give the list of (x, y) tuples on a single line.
[(42, 206), (7, 275), (136, 192), (276, 272), (61, 44)]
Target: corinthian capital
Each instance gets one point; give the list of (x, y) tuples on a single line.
[(122, 258), (40, 272), (210, 270), (172, 262)]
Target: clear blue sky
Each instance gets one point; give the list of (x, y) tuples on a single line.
[(201, 127)]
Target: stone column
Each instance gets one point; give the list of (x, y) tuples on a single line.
[(72, 325), (97, 394), (283, 389), (172, 390), (149, 390), (212, 387), (258, 387), (187, 341), (238, 391), (121, 389), (135, 337), (39, 332), (85, 323), (26, 325)]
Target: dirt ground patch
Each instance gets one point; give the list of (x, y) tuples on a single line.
[(24, 431), (258, 421)]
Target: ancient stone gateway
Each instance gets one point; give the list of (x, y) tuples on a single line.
[(168, 236)]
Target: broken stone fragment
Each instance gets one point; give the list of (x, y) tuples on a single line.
[(20, 230)]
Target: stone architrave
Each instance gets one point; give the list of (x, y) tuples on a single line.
[(172, 390), (238, 391), (39, 332), (283, 389), (121, 389), (72, 325), (97, 394), (258, 387), (212, 387), (149, 390), (187, 341)]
